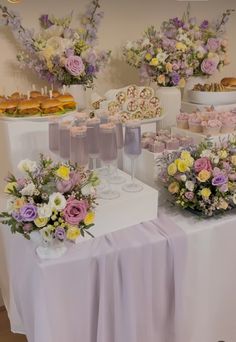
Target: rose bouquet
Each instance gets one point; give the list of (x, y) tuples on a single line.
[(202, 178), (60, 53), (180, 49), (56, 199)]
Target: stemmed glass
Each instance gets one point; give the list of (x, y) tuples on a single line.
[(133, 150), (108, 154), (53, 135), (64, 139), (116, 120), (80, 119), (79, 146), (93, 139)]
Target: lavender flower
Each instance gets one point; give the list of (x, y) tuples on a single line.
[(45, 22), (175, 78), (60, 233), (204, 25), (219, 180), (28, 212)]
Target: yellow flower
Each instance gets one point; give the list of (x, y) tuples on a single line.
[(185, 155), (182, 83), (173, 188), (233, 160), (159, 50), (63, 172), (206, 192), (72, 233), (161, 79), (177, 161), (203, 176), (41, 222), (223, 204), (189, 162), (223, 154), (169, 67), (148, 56), (181, 47), (154, 61), (89, 218), (10, 187), (19, 202), (182, 166), (172, 169)]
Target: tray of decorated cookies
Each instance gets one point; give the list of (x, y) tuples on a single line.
[(36, 106), (214, 93), (130, 102)]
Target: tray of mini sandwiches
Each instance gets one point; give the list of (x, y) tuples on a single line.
[(34, 105)]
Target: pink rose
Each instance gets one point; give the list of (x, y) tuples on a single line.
[(75, 211), (74, 65), (202, 164), (64, 186), (189, 195), (213, 44), (209, 66)]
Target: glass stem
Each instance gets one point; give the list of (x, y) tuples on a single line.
[(132, 170), (109, 177), (94, 163)]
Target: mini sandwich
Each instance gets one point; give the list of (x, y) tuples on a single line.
[(229, 82), (15, 96), (67, 101), (28, 107), (34, 94), (8, 107), (52, 106), (55, 93)]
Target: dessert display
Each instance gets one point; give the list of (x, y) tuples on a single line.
[(210, 87), (35, 104), (131, 102), (209, 122), (229, 82), (163, 141)]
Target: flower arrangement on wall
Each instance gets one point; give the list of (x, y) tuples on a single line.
[(60, 53)]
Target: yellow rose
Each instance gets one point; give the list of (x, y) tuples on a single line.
[(205, 192), (233, 160), (223, 154), (169, 67), (203, 176), (89, 218), (173, 188), (185, 155), (182, 83), (177, 161), (10, 187), (72, 233), (41, 222), (182, 166), (161, 79), (154, 61), (181, 47), (148, 56), (172, 169), (19, 202), (63, 172), (189, 162), (223, 204)]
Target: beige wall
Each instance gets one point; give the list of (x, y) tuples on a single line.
[(124, 20)]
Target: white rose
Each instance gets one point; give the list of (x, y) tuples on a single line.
[(162, 56), (206, 153), (183, 178), (46, 233), (57, 201), (27, 165), (45, 211), (88, 190), (28, 190), (189, 185), (216, 160)]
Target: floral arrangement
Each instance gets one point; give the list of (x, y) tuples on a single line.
[(60, 53), (56, 199), (180, 49), (202, 178)]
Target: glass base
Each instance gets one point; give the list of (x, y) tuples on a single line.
[(132, 187), (109, 194), (116, 179)]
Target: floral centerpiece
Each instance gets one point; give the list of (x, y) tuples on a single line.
[(60, 53), (202, 178), (180, 49), (57, 200)]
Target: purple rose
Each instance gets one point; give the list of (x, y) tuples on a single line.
[(204, 25), (28, 212), (17, 216), (74, 65), (209, 66), (213, 44), (60, 233), (44, 21), (219, 180), (175, 78)]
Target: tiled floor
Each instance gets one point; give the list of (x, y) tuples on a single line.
[(5, 334)]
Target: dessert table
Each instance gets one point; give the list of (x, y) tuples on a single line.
[(168, 279)]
